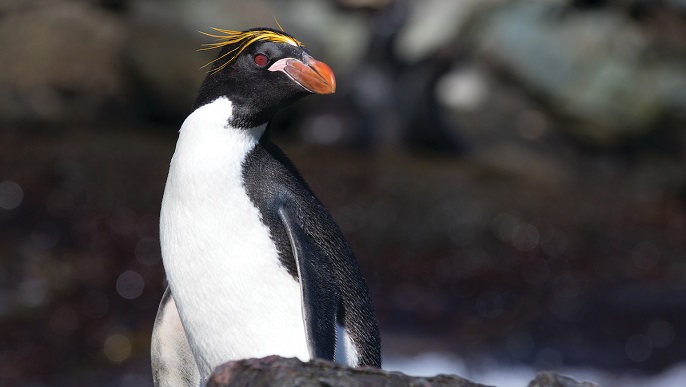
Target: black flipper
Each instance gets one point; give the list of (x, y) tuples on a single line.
[(320, 295)]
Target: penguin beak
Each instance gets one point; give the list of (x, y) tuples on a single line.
[(313, 75)]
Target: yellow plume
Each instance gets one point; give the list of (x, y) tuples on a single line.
[(242, 39)]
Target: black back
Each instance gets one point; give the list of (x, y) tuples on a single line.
[(271, 181)]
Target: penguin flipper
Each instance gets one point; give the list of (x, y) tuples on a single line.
[(320, 296), (172, 360)]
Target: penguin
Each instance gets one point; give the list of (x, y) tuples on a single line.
[(255, 264)]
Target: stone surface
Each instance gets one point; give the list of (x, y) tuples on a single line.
[(551, 379), (598, 68), (279, 371)]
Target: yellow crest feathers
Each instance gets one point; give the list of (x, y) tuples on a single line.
[(242, 39)]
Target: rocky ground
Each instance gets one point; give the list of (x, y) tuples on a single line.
[(276, 371), (510, 174)]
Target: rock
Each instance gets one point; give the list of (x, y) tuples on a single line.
[(364, 4), (279, 371), (435, 24), (679, 5), (599, 68), (551, 379), (165, 69), (60, 61)]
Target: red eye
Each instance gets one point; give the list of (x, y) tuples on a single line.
[(261, 60)]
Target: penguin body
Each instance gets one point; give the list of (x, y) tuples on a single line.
[(255, 263)]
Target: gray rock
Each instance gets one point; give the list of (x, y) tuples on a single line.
[(678, 4), (435, 24), (279, 371), (595, 67), (551, 379)]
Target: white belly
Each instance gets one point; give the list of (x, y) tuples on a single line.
[(234, 298)]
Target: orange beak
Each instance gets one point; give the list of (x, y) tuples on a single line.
[(313, 75)]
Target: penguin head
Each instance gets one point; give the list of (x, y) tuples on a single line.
[(261, 71)]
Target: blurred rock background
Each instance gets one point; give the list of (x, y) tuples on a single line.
[(511, 174)]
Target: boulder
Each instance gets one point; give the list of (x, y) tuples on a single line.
[(551, 379), (601, 69), (279, 371), (60, 61), (163, 65)]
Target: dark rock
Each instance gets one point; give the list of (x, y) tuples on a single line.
[(165, 70), (278, 371)]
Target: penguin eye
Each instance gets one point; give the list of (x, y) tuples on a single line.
[(261, 60)]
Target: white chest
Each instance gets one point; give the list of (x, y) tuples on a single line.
[(233, 296)]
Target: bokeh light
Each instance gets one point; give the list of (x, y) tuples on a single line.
[(11, 195), (639, 348), (117, 348), (130, 284)]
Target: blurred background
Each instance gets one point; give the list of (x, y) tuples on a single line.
[(511, 175)]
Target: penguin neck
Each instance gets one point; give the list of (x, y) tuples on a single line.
[(210, 153), (209, 131)]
